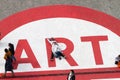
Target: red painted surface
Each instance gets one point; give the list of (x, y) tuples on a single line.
[(78, 12)]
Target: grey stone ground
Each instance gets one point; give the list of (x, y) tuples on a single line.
[(9, 7)]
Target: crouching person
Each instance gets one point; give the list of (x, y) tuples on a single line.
[(56, 50), (8, 63)]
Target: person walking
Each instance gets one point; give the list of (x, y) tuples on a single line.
[(8, 63)]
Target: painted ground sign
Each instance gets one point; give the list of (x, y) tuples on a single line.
[(88, 38)]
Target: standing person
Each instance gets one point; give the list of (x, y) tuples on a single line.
[(71, 75), (8, 63), (117, 61), (56, 50), (11, 49)]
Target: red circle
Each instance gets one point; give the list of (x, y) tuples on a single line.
[(65, 11)]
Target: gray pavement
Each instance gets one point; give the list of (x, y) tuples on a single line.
[(9, 7)]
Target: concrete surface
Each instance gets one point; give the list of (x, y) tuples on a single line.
[(9, 7)]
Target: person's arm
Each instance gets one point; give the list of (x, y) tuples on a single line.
[(5, 56), (48, 39)]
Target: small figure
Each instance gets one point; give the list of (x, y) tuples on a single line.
[(71, 75), (56, 50), (117, 61), (8, 63), (11, 49)]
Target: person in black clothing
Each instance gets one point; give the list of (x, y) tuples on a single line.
[(11, 49), (8, 63), (71, 75)]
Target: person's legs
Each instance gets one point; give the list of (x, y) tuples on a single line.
[(60, 54), (4, 75), (52, 56), (12, 73)]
